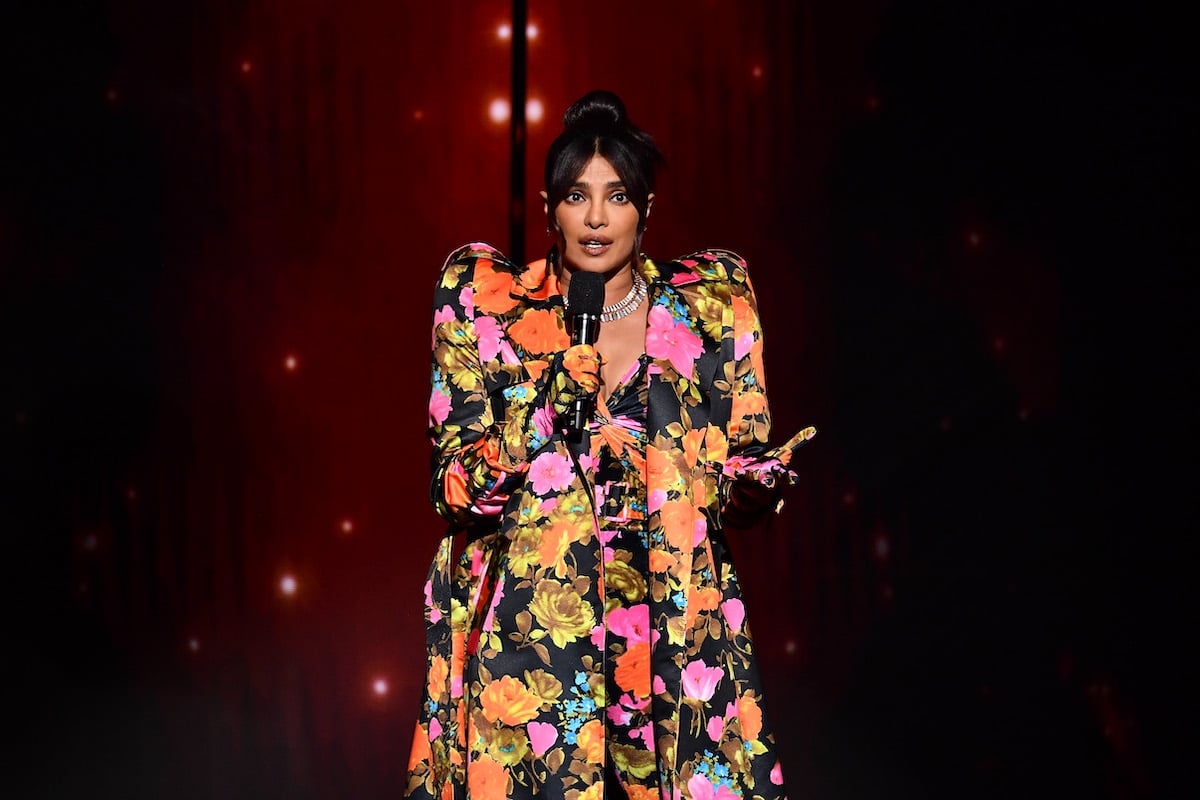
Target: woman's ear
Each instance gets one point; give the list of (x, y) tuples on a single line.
[(550, 223), (646, 216)]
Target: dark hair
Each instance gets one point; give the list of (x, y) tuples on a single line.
[(597, 125)]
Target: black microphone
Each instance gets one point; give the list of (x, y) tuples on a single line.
[(585, 301)]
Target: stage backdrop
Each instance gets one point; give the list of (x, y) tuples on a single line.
[(225, 220)]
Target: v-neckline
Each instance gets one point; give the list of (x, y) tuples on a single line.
[(634, 370)]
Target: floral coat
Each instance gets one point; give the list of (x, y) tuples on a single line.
[(514, 703)]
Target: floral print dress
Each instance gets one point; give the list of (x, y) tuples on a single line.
[(593, 625)]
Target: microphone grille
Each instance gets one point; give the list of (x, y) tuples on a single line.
[(586, 293)]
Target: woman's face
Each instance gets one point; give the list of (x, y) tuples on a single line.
[(597, 223)]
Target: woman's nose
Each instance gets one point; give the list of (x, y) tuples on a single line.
[(595, 216)]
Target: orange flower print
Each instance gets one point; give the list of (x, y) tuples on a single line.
[(492, 288), (679, 523), (591, 739), (661, 472), (638, 792), (751, 716), (535, 283), (458, 657), (508, 700), (487, 779), (743, 319), (705, 599), (439, 670), (554, 545), (661, 561), (633, 669), (748, 404), (715, 443), (756, 361), (420, 747), (594, 792), (691, 445), (539, 331), (582, 364)]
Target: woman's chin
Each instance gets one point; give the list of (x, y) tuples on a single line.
[(603, 263)]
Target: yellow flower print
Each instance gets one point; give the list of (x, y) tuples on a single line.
[(524, 552), (621, 577), (562, 612), (544, 685), (508, 746)]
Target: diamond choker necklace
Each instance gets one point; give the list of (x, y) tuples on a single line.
[(627, 304)]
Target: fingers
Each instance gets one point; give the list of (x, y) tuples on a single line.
[(582, 365)]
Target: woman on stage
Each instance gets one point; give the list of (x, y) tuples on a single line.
[(591, 641)]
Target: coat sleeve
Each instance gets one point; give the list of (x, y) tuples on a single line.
[(754, 473), (481, 427)]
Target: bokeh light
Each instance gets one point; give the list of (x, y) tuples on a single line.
[(499, 110), (534, 110)]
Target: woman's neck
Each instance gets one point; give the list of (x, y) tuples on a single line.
[(617, 284)]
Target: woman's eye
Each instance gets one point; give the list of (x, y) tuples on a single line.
[(620, 197), (574, 197)]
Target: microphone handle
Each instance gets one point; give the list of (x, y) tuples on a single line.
[(586, 328)]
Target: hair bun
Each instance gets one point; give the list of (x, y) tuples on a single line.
[(596, 110)]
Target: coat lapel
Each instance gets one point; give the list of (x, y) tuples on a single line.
[(679, 410)]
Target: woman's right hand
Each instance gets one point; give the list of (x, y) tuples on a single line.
[(576, 376)]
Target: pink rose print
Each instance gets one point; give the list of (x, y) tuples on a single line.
[(467, 299), (633, 623), (443, 314), (487, 335), (435, 729), (489, 620), (777, 774), (666, 338), (619, 716), (439, 407), (550, 472), (648, 735), (435, 613), (704, 789), (742, 345), (700, 680), (543, 422), (716, 726), (542, 736), (735, 613)]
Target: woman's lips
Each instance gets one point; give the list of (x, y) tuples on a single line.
[(595, 247)]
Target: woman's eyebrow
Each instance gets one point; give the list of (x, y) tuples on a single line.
[(609, 185)]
